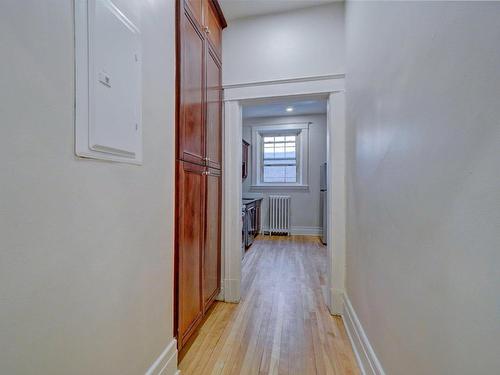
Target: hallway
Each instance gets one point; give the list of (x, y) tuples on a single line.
[(282, 324)]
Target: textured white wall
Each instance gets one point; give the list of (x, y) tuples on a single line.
[(85, 246), (301, 43), (305, 204), (423, 259)]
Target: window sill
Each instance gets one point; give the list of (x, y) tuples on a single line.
[(279, 187)]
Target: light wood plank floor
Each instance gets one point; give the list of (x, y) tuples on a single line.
[(281, 325)]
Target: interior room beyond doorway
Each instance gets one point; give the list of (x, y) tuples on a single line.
[(284, 157)]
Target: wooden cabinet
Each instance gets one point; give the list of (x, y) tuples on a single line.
[(213, 25), (199, 162), (211, 251), (190, 237), (196, 7), (208, 15), (191, 128), (244, 159), (213, 110), (200, 90)]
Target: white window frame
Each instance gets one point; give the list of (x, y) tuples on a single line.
[(286, 133), (302, 132)]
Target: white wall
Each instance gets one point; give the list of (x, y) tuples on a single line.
[(85, 246), (306, 211), (423, 259), (296, 44)]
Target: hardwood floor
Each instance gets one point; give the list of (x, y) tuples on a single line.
[(281, 325)]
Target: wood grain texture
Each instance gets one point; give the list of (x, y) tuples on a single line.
[(190, 235), (213, 110), (281, 325), (196, 7), (213, 25), (198, 178), (212, 248), (191, 125)]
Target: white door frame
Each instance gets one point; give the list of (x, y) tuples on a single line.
[(330, 87)]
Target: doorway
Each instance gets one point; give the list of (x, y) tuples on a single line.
[(283, 157), (236, 97)]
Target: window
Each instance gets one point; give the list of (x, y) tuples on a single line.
[(279, 158)]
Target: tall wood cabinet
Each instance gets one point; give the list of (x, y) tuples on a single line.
[(199, 162)]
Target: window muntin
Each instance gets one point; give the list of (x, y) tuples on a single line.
[(277, 154), (279, 157)]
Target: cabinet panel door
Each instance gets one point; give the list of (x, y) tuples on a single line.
[(214, 111), (190, 238), (212, 248), (196, 7), (191, 131), (212, 25)]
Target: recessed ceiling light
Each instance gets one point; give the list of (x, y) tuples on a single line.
[(289, 109)]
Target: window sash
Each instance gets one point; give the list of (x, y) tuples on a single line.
[(284, 142), (283, 174), (281, 165)]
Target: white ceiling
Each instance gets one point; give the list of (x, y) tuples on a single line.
[(278, 108), (234, 9)]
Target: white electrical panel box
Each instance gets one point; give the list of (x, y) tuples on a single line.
[(108, 83)]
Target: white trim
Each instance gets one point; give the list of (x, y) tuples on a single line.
[(166, 363), (232, 201), (285, 80), (301, 231), (336, 302), (282, 88), (363, 350), (281, 187), (307, 231), (303, 157), (220, 296), (232, 289), (234, 97), (273, 128), (336, 197)]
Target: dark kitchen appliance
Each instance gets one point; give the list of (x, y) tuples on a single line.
[(251, 220)]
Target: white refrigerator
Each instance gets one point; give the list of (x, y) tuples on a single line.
[(323, 201)]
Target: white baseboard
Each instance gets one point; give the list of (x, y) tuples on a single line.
[(220, 296), (302, 231), (166, 363), (336, 302), (365, 355), (232, 290), (307, 231)]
